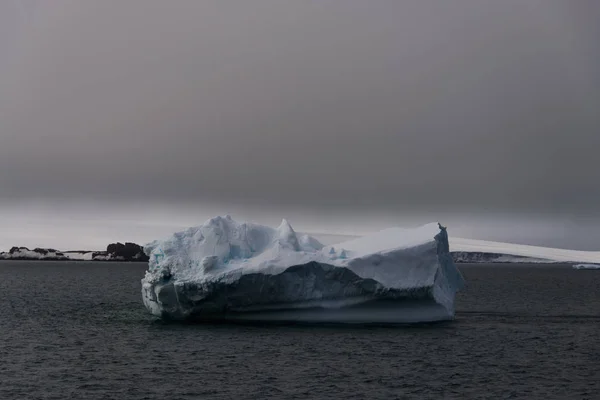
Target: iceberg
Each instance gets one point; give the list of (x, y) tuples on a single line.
[(586, 266), (226, 270)]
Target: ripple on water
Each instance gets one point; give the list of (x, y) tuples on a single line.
[(79, 330)]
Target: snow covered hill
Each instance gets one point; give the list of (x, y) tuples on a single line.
[(509, 252)]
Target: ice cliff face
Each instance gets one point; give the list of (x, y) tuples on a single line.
[(229, 270)]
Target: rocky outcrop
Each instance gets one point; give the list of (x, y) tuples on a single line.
[(121, 252)]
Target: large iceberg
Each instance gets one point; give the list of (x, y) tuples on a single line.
[(225, 270)]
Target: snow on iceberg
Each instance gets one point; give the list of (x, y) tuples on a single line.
[(229, 270)]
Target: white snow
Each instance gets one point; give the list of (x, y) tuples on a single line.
[(223, 250), (234, 245), (254, 247), (511, 252), (389, 239), (24, 253), (543, 253), (79, 255), (586, 266)]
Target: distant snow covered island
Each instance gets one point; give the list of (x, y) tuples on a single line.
[(114, 252), (482, 251), (243, 271), (586, 266)]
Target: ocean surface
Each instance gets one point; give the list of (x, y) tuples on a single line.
[(79, 330)]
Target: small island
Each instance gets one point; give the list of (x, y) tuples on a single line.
[(114, 252)]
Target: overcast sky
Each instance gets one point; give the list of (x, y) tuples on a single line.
[(483, 113)]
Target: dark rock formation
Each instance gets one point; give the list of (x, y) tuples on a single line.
[(46, 251), (16, 249), (121, 252)]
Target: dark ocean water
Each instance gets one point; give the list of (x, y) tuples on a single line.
[(80, 331)]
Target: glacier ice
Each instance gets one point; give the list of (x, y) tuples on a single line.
[(474, 257), (243, 271), (511, 252)]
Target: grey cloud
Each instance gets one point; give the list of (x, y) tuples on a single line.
[(382, 105)]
